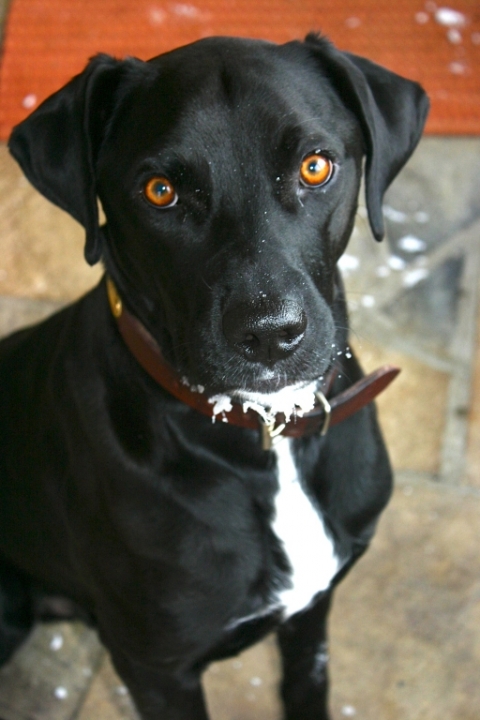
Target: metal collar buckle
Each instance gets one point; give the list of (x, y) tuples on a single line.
[(114, 299), (270, 434), (327, 408)]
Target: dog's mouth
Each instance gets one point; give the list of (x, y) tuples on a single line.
[(291, 401), (267, 391)]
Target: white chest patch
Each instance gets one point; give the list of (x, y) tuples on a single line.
[(300, 528)]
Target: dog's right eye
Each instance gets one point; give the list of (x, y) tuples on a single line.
[(160, 192), (316, 170)]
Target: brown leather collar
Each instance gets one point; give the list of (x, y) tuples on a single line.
[(327, 412)]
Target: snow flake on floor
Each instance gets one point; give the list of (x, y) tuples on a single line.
[(56, 643), (458, 68), (348, 263), (449, 17), (353, 23), (29, 101), (396, 216), (396, 263), (422, 18), (368, 301), (411, 244), (454, 36), (412, 277)]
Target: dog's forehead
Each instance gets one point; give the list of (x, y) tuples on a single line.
[(242, 73), (230, 83)]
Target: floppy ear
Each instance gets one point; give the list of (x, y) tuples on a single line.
[(391, 111), (57, 145)]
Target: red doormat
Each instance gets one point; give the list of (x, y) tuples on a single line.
[(48, 41)]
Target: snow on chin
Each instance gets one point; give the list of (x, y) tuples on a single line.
[(291, 401), (221, 404)]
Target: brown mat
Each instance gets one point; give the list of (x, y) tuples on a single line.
[(48, 41)]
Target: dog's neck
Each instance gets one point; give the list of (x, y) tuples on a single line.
[(272, 426)]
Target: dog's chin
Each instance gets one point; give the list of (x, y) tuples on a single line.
[(291, 400)]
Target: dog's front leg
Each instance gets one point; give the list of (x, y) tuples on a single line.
[(161, 695), (303, 645)]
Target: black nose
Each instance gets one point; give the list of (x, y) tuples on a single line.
[(265, 332)]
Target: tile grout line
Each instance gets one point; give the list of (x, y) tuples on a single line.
[(462, 241), (88, 685), (462, 351), (421, 479)]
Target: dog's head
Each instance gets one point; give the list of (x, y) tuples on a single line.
[(229, 172)]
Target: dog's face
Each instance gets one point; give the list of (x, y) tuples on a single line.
[(230, 191), (229, 172)]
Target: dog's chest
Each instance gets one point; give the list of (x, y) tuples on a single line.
[(299, 527)]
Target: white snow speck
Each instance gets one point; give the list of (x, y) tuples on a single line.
[(396, 216), (421, 217), (194, 388), (454, 36), (368, 301), (190, 12), (156, 15), (256, 681), (29, 101), (353, 22), (457, 68), (412, 277), (450, 18), (412, 244), (291, 401), (348, 263), (221, 404), (237, 664), (56, 642), (396, 263), (121, 690), (422, 18), (382, 271), (61, 693), (348, 711)]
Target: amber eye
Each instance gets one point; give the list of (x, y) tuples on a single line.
[(316, 170), (160, 192)]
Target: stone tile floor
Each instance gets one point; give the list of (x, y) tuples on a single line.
[(405, 630)]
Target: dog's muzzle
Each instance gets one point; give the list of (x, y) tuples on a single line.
[(326, 413)]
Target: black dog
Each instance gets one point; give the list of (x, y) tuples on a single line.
[(229, 172)]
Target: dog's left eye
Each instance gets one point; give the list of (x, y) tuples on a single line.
[(160, 192), (316, 170)]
